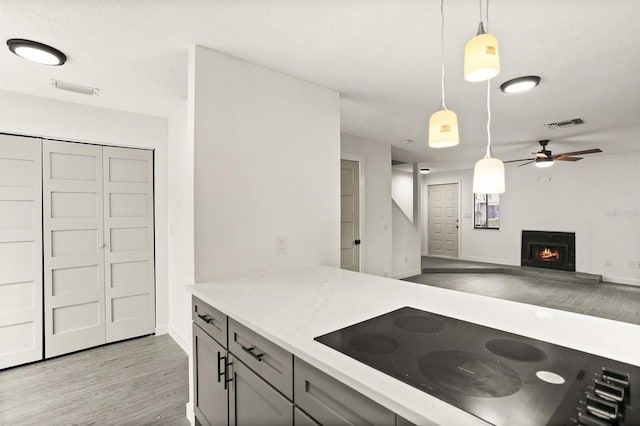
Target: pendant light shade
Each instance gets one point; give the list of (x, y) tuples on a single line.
[(488, 176), (481, 57), (443, 129)]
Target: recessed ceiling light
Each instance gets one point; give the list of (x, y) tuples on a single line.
[(36, 52), (425, 171), (520, 84)]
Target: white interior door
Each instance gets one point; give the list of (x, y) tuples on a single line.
[(20, 250), (129, 252), (73, 241), (443, 220), (349, 215)]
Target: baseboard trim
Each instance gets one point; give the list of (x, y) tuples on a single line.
[(407, 274), (621, 280), (161, 329), (190, 415), (485, 260), (180, 340)]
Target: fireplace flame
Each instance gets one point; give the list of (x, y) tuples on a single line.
[(549, 255)]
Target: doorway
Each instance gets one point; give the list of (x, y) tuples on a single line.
[(443, 222), (350, 215)]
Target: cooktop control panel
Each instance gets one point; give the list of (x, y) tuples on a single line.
[(603, 394)]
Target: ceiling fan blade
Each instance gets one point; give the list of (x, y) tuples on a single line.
[(515, 161), (587, 151), (528, 162), (566, 158)]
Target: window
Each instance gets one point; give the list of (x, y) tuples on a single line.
[(486, 211)]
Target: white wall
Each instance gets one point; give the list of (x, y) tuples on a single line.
[(376, 238), (35, 116), (405, 246), (598, 198), (180, 203), (402, 191), (267, 151)]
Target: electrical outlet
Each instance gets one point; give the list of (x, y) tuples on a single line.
[(608, 262), (634, 265), (281, 245), (406, 259)]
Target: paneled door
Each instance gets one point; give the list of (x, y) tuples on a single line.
[(349, 215), (73, 247), (20, 250), (129, 243), (443, 220)]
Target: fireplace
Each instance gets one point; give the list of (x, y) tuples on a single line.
[(551, 250)]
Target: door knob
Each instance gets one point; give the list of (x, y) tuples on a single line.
[(357, 242), (101, 245)]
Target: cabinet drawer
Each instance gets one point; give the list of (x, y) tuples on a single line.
[(267, 359), (333, 403), (210, 320)]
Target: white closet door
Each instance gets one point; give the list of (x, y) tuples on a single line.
[(20, 250), (73, 241), (129, 252)]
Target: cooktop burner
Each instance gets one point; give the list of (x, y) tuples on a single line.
[(419, 324), (515, 350), (500, 377)]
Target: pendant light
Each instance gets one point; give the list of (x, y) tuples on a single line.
[(481, 57), (443, 124), (488, 173)]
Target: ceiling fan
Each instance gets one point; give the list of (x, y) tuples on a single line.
[(544, 157)]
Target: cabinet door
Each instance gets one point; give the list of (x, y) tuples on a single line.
[(20, 250), (128, 239), (301, 419), (252, 401), (73, 247), (209, 390)]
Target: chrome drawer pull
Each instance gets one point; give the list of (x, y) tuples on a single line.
[(206, 318)]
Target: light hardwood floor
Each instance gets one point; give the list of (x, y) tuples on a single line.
[(135, 382)]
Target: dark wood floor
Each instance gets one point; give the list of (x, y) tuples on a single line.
[(606, 300), (137, 382)]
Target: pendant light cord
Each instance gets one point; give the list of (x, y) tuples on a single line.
[(443, 105), (489, 118)]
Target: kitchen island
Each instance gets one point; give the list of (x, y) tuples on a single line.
[(293, 307)]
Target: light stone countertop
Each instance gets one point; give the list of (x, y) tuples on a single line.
[(292, 307)]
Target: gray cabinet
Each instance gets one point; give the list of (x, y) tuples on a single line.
[(253, 381), (252, 401), (209, 386), (332, 403)]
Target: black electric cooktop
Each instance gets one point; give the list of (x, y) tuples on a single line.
[(502, 378)]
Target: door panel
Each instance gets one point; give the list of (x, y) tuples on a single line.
[(210, 395), (129, 239), (73, 259), (443, 220), (253, 402), (20, 250), (349, 215)]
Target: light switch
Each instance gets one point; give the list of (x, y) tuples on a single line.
[(281, 245)]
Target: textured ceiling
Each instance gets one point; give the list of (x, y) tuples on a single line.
[(382, 56)]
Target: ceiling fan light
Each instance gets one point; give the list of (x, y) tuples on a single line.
[(520, 84), (36, 52), (443, 129), (488, 176), (481, 57), (543, 163)]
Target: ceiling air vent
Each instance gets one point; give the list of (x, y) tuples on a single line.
[(566, 123), (76, 88)]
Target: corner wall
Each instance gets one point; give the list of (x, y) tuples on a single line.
[(376, 239), (266, 165), (49, 118)]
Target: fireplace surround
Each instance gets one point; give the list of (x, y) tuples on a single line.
[(551, 250)]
